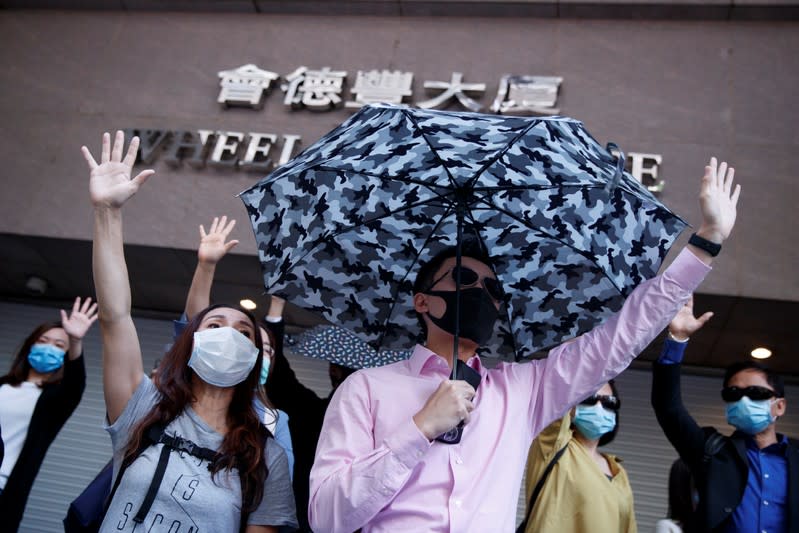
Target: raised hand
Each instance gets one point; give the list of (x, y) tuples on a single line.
[(80, 319), (718, 201), (110, 184), (684, 324), (212, 244)]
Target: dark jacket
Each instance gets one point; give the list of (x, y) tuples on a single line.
[(720, 478), (306, 412), (55, 405)]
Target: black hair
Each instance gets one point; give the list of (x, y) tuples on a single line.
[(20, 367), (773, 379), (425, 277)]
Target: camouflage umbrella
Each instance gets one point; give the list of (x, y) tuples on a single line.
[(342, 228)]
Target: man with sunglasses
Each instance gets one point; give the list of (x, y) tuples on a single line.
[(405, 448), (750, 480)]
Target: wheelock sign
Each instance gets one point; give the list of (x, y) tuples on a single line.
[(321, 90)]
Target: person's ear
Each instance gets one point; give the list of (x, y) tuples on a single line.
[(420, 303), (778, 409)]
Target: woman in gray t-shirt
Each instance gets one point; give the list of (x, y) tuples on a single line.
[(201, 397)]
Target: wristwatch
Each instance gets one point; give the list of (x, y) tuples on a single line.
[(709, 246)]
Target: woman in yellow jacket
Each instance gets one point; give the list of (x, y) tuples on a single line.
[(585, 491)]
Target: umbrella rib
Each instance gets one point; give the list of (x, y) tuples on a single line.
[(401, 179), (499, 154), (514, 345), (395, 295), (410, 117), (539, 230)]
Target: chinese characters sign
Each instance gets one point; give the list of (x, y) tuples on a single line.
[(322, 90)]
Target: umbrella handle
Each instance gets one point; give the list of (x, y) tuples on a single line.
[(611, 147)]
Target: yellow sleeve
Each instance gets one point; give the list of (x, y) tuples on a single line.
[(554, 437)]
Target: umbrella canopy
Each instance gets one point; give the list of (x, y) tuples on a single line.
[(342, 228), (342, 347)]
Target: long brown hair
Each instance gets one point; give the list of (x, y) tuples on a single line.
[(20, 367), (243, 445)]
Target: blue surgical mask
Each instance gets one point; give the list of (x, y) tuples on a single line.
[(593, 421), (46, 358), (750, 416), (265, 370)]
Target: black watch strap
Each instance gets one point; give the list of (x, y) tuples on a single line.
[(709, 246)]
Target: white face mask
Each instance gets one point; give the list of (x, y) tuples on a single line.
[(222, 356)]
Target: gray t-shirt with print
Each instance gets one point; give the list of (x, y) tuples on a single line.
[(189, 500)]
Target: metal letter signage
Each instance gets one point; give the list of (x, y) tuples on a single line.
[(454, 88), (317, 90), (527, 95), (221, 149), (380, 86), (245, 86), (648, 175)]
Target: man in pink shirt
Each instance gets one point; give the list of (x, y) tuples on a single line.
[(378, 464)]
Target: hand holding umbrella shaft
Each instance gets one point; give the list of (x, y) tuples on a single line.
[(450, 404)]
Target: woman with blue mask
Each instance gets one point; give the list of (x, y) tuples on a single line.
[(226, 473), (571, 485), (37, 396)]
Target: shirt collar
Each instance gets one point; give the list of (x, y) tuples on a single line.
[(778, 448), (422, 358)]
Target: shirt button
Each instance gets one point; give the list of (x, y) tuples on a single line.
[(457, 503), (459, 460), (765, 502), (765, 476)]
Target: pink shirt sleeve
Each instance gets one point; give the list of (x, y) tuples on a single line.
[(574, 370), (356, 477)]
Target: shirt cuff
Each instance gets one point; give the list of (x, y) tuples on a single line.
[(673, 352), (408, 444), (687, 270), (273, 319)]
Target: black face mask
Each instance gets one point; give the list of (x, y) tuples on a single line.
[(478, 314)]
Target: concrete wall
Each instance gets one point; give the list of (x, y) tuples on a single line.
[(683, 89)]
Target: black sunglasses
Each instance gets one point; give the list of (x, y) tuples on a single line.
[(608, 402), (469, 278), (733, 394)]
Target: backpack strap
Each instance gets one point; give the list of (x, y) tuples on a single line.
[(145, 443), (713, 445), (538, 487), (157, 435)]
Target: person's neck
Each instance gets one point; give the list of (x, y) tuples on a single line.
[(591, 445), (767, 437), (211, 404), (443, 345), (37, 377)]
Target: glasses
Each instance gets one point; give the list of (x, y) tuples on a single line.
[(733, 394), (608, 402), (470, 278)]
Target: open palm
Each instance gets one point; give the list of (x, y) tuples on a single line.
[(80, 319), (212, 244), (684, 324), (110, 184)]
